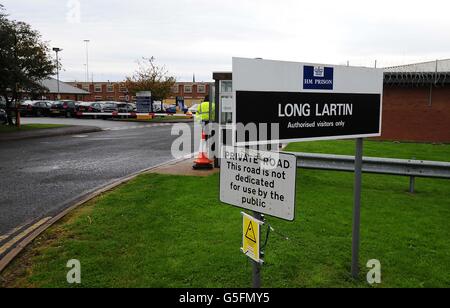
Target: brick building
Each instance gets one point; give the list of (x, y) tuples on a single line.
[(416, 102), (191, 92), (103, 91)]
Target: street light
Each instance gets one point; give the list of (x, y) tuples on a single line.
[(57, 50), (87, 59)]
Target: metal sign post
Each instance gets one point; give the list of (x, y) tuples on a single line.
[(357, 207)]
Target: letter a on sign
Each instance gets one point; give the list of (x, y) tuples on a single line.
[(251, 238)]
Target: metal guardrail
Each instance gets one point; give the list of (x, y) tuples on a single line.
[(401, 167)]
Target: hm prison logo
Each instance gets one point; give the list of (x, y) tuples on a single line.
[(319, 71), (318, 78)]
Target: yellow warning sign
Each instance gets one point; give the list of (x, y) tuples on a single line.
[(250, 234), (250, 239)]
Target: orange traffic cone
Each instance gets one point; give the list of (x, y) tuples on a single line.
[(203, 162)]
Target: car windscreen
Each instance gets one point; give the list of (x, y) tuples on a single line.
[(109, 105)]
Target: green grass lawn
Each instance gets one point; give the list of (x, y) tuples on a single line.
[(171, 231), (27, 127)]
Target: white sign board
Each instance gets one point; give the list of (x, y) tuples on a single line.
[(259, 181), (227, 105), (307, 101)]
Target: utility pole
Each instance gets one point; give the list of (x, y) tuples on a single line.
[(87, 59), (57, 50)]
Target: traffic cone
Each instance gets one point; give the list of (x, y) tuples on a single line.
[(203, 162)]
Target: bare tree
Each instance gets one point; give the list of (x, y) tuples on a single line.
[(150, 77)]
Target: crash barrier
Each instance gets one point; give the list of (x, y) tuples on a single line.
[(401, 167)]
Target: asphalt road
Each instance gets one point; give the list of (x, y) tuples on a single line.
[(40, 176)]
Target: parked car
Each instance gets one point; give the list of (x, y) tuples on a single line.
[(2, 102), (171, 109), (131, 107), (109, 107), (90, 107), (24, 107), (3, 118), (78, 103), (65, 108), (123, 108), (35, 108), (83, 106), (193, 109)]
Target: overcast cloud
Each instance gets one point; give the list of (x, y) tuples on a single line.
[(201, 36)]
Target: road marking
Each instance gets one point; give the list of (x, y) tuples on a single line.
[(79, 136), (7, 235), (23, 235)]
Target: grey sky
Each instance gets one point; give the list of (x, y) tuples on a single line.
[(201, 36)]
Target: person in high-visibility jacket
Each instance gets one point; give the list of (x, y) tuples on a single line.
[(203, 112)]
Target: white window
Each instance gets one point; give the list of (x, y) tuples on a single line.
[(110, 88), (187, 89), (86, 87), (226, 86), (175, 89), (201, 88), (98, 98), (98, 88), (122, 89)]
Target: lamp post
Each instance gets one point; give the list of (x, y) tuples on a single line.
[(57, 50), (87, 59)]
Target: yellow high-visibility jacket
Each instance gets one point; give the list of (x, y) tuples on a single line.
[(203, 112)]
